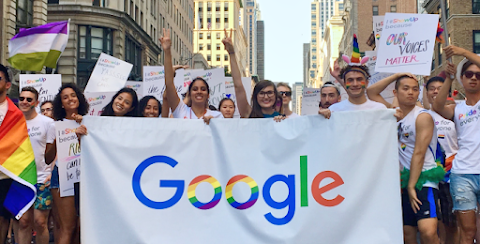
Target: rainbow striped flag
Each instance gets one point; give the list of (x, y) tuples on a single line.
[(17, 161)]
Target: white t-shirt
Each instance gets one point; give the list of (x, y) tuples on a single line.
[(406, 143), (446, 133), (466, 118), (41, 130), (346, 105), (185, 112), (3, 113), (293, 115)]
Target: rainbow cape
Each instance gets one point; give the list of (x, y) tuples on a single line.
[(17, 161)]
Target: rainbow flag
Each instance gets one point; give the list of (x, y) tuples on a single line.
[(356, 50), (17, 161)]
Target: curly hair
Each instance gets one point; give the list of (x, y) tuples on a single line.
[(108, 109), (59, 112), (362, 68), (143, 103)]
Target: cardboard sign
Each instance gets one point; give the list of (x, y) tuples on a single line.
[(109, 74), (310, 100), (97, 101), (68, 155), (137, 86), (387, 94), (46, 85), (407, 43), (377, 28), (154, 81)]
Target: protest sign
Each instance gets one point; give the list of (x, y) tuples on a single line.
[(154, 81), (46, 85), (310, 100), (216, 80), (285, 183), (97, 101), (377, 28), (375, 77), (137, 86), (230, 92), (109, 74), (407, 43), (68, 155)]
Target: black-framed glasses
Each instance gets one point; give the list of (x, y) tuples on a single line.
[(268, 94), (469, 74), (399, 130), (29, 99), (288, 94), (43, 110)]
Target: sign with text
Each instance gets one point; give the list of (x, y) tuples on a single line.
[(216, 81), (137, 86), (154, 81), (46, 85), (377, 28), (407, 43), (68, 155), (97, 101), (387, 94), (109, 74), (310, 100)]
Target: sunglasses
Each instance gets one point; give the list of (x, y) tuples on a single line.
[(469, 74), (285, 93), (29, 99)]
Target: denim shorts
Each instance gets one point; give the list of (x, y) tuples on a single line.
[(465, 190), (54, 184)]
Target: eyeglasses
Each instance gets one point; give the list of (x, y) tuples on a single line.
[(29, 99), (285, 93), (268, 94), (43, 110), (469, 74)]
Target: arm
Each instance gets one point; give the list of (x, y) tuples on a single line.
[(426, 104), (439, 106), (242, 102), (165, 107), (424, 127), (374, 90), (335, 72), (50, 152), (458, 51), (170, 89)]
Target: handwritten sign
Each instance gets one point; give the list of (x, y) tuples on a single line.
[(407, 43), (377, 28), (68, 154), (154, 81), (230, 91), (216, 80), (109, 74), (375, 77), (310, 100), (137, 86), (97, 101), (46, 85)]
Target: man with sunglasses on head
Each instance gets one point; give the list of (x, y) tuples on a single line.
[(329, 95), (41, 130), (285, 91)]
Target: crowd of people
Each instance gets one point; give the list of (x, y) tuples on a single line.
[(438, 140)]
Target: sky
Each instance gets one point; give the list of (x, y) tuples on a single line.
[(287, 27)]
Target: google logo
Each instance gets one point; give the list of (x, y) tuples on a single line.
[(289, 180)]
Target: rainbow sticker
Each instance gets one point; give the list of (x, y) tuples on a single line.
[(193, 186), (403, 146), (253, 187), (406, 135), (441, 136), (377, 36)]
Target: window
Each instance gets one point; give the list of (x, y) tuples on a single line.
[(24, 13), (225, 7), (433, 62), (209, 57), (314, 7), (314, 66), (200, 36), (136, 14), (314, 16), (393, 8), (209, 36), (201, 23), (226, 57), (375, 10), (439, 53), (153, 8), (218, 35), (209, 47), (218, 57), (476, 41), (218, 46), (475, 6), (314, 57), (200, 47), (217, 6), (133, 55), (209, 7), (200, 7)]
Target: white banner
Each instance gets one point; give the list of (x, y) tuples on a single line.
[(308, 180), (109, 74), (375, 77), (46, 85), (137, 86), (154, 81), (68, 155), (407, 43), (310, 100), (377, 28), (97, 101), (216, 80)]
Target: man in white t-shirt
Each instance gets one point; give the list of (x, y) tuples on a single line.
[(355, 78), (285, 91), (417, 147), (41, 130)]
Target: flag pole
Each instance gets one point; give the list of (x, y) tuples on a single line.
[(445, 29)]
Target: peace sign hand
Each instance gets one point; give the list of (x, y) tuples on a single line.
[(165, 40), (227, 41)]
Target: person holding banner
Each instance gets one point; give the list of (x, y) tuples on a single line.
[(417, 147), (47, 109), (42, 135), (124, 103), (465, 173), (198, 90), (329, 95), (149, 106), (69, 104), (285, 92), (227, 108)]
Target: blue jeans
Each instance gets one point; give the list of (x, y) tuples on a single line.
[(465, 190), (54, 182)]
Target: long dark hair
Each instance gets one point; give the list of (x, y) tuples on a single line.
[(143, 103), (108, 110), (189, 94), (256, 108), (59, 112)]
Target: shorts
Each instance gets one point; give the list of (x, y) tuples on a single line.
[(4, 187), (465, 190), (54, 182), (429, 208), (44, 197), (446, 205)]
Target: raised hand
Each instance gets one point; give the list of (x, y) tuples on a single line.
[(165, 40), (454, 51), (451, 69), (227, 41), (335, 72)]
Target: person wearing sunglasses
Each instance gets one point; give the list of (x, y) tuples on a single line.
[(46, 108), (285, 91), (465, 172), (42, 136)]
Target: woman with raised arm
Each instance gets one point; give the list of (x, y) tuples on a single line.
[(198, 91)]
